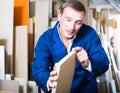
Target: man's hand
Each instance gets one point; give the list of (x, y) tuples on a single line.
[(82, 56), (52, 79)]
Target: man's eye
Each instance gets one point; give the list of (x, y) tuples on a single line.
[(68, 19), (79, 23)]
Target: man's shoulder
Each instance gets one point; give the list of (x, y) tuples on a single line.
[(48, 32), (86, 26), (88, 29)]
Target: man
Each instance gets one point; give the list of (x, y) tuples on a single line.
[(70, 33)]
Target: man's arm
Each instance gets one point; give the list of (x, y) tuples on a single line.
[(41, 63), (97, 56)]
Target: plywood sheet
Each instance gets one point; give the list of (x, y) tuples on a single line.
[(21, 12), (11, 86), (6, 29), (65, 65), (41, 18), (22, 84), (2, 62), (21, 52), (33, 88)]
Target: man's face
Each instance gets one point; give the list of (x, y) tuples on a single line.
[(70, 22)]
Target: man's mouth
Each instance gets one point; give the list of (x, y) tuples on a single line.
[(70, 32)]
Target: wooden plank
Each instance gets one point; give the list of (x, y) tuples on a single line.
[(5, 92), (21, 52), (117, 39), (114, 69), (21, 14), (32, 87), (41, 16), (62, 67), (22, 84), (113, 86), (30, 46), (9, 85), (31, 9), (2, 62), (6, 30), (9, 77), (30, 41)]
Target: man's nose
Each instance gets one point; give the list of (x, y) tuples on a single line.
[(72, 26)]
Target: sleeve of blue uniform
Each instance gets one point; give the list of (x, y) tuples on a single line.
[(40, 65), (97, 56)]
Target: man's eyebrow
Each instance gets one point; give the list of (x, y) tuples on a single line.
[(69, 17), (79, 20), (76, 20)]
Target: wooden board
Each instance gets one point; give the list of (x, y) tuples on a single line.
[(117, 39), (11, 86), (21, 52), (21, 14), (32, 87), (30, 47), (65, 65), (22, 84), (2, 62), (9, 77), (6, 30), (31, 9), (41, 16)]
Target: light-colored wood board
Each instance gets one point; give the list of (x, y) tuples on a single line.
[(9, 77), (22, 84), (6, 29), (21, 52), (6, 92), (117, 39), (32, 7), (9, 85), (65, 65), (32, 87), (41, 18), (114, 69), (2, 62), (113, 86)]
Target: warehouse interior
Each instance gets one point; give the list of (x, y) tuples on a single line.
[(23, 21)]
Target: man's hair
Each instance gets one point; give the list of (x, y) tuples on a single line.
[(75, 4)]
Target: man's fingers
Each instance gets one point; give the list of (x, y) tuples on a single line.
[(53, 73), (77, 49), (52, 82)]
